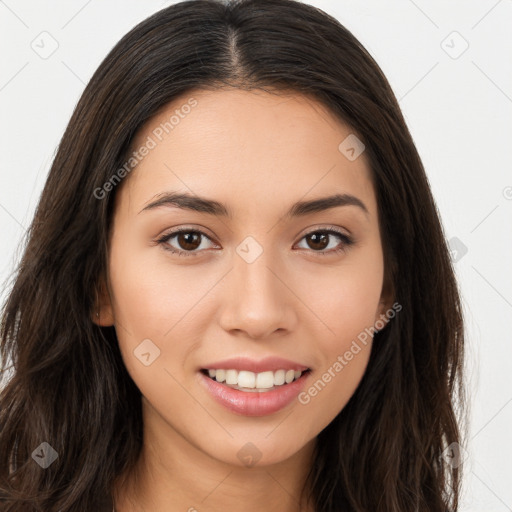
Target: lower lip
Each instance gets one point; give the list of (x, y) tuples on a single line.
[(254, 403)]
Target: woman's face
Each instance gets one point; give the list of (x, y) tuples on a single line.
[(260, 276)]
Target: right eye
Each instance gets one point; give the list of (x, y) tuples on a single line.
[(189, 241)]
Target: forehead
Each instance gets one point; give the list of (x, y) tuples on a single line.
[(246, 148)]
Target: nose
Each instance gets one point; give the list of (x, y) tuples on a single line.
[(256, 299)]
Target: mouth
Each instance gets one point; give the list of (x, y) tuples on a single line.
[(258, 393), (252, 382)]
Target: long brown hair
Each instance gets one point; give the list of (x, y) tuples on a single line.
[(68, 385)]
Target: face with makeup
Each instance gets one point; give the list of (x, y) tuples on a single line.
[(244, 234)]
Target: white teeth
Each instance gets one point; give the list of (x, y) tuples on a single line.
[(265, 380), (231, 377), (254, 381), (279, 377), (246, 379)]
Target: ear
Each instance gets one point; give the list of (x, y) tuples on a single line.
[(102, 314), (385, 303)]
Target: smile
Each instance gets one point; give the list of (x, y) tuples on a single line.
[(254, 393), (248, 381)]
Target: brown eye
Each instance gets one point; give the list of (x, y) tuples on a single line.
[(321, 239), (189, 241), (185, 242), (318, 241)]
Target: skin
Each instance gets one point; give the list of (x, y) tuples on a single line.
[(257, 153)]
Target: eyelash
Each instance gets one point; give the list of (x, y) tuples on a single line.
[(346, 241)]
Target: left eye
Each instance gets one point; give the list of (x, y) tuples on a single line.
[(190, 242), (320, 239)]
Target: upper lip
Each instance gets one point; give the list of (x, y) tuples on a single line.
[(257, 366)]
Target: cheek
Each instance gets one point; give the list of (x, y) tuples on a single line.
[(345, 299), (150, 313), (157, 301), (149, 295), (347, 303)]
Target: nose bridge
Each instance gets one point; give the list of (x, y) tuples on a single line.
[(257, 300)]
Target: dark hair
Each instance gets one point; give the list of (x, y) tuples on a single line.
[(69, 385)]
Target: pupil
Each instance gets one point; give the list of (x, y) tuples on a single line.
[(186, 240), (315, 238)]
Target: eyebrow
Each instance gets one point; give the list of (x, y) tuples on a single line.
[(186, 201)]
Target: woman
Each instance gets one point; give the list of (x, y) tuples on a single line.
[(236, 288)]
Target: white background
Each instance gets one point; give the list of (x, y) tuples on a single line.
[(459, 111)]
